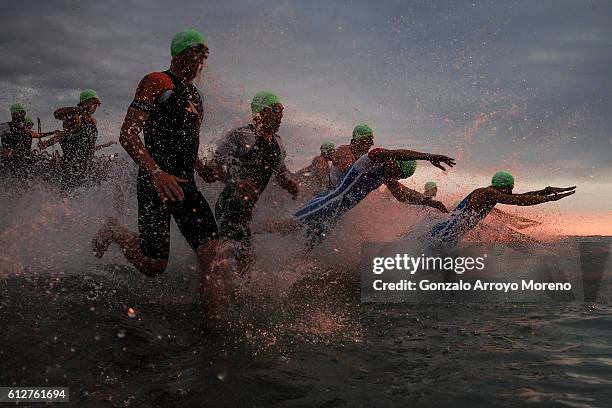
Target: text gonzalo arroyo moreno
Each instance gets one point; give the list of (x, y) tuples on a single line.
[(458, 265)]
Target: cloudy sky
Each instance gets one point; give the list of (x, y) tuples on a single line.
[(524, 85)]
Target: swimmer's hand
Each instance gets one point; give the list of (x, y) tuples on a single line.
[(436, 159), (437, 205), (168, 186), (556, 190), (246, 189), (556, 197)]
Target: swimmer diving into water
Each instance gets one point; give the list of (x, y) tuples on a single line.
[(168, 110), (502, 218), (480, 202), (370, 171)]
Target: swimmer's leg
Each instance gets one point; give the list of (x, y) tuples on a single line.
[(148, 250), (234, 218), (196, 221), (214, 290), (130, 244)]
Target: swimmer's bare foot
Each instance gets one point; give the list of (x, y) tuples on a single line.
[(104, 237)]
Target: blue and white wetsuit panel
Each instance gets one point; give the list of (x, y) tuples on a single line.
[(363, 177), (459, 222)]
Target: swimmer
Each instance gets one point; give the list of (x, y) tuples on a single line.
[(480, 202)]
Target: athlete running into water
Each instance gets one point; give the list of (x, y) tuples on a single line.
[(167, 108), (245, 160), (480, 202), (16, 141), (14, 136), (369, 172), (78, 139)]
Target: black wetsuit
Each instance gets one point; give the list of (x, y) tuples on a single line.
[(172, 138), (19, 141), (79, 150), (246, 156)]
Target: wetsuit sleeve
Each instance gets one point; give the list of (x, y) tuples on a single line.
[(150, 90), (65, 113)]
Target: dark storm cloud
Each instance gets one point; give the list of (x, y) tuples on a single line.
[(422, 73)]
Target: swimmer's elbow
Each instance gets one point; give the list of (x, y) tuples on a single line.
[(378, 154)]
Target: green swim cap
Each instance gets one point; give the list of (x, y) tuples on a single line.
[(361, 131), (28, 120), (327, 147), (430, 185), (408, 167), (17, 107), (263, 99), (185, 39), (88, 94), (502, 179)]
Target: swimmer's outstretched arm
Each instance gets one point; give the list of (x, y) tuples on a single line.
[(59, 136), (66, 113), (529, 199), (36, 135), (104, 145), (406, 195), (550, 190), (383, 155)]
